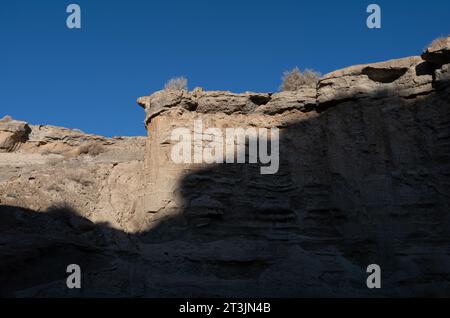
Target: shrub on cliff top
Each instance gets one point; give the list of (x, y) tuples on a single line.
[(439, 42), (295, 79), (177, 84), (6, 118), (93, 149)]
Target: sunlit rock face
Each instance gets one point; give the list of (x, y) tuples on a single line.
[(363, 178)]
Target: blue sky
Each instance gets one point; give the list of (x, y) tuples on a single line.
[(90, 78)]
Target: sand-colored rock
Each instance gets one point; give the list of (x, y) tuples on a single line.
[(405, 77), (439, 52), (364, 178), (12, 134), (58, 166)]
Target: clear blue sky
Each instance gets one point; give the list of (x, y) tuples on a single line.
[(90, 78)]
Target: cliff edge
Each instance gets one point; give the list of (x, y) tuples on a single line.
[(363, 178)]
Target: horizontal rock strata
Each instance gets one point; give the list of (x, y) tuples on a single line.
[(364, 178)]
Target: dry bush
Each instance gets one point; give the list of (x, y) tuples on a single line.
[(295, 79), (76, 171), (92, 149), (54, 161), (6, 118), (46, 152), (79, 176), (439, 42), (177, 84)]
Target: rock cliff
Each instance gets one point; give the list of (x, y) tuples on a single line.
[(363, 178)]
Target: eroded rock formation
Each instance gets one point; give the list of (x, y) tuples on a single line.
[(363, 179)]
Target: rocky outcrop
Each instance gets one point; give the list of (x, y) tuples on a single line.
[(12, 134), (439, 52), (56, 166), (363, 179), (406, 78)]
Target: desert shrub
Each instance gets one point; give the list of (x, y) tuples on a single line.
[(77, 171), (295, 79), (54, 161), (93, 149), (6, 118), (46, 152), (79, 176), (177, 84), (439, 42)]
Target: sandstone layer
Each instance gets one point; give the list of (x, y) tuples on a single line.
[(364, 178)]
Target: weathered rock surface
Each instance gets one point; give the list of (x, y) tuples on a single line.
[(12, 134), (439, 52), (56, 166), (303, 100), (364, 179), (406, 77)]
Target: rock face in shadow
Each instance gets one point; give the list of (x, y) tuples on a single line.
[(363, 179)]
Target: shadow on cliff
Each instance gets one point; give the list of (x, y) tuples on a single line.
[(357, 185), (36, 248), (366, 182)]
